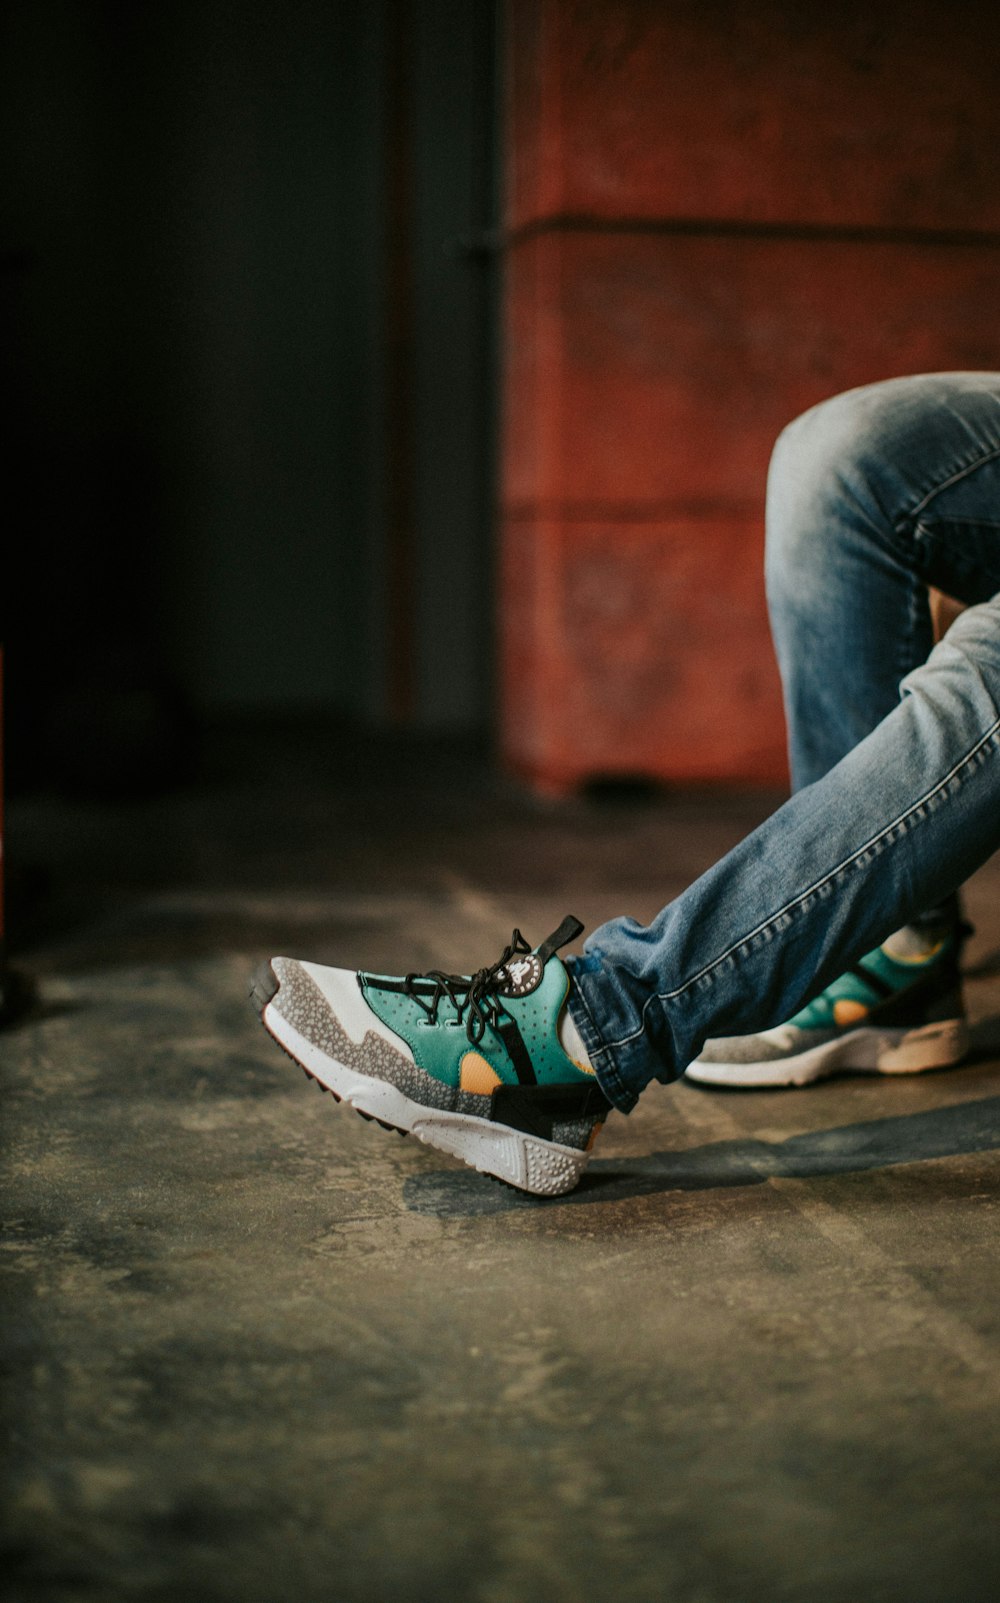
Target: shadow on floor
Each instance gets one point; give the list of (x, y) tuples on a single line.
[(847, 1149)]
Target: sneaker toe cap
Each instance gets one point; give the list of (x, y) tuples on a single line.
[(339, 989)]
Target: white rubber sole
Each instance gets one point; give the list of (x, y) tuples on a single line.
[(544, 1168), (865, 1051)]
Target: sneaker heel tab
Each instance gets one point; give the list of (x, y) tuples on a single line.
[(568, 931)]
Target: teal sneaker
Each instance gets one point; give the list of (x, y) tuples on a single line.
[(898, 1011), (475, 1065)]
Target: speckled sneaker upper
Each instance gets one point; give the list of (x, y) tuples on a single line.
[(897, 1011), (472, 1064)]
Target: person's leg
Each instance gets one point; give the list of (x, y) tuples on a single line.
[(513, 1068), (872, 497), (848, 567)]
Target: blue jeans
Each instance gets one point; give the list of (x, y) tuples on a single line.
[(872, 496)]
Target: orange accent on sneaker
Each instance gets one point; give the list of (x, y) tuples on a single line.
[(847, 1012), (477, 1075)]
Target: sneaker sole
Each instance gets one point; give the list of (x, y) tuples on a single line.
[(871, 1051), (542, 1168)]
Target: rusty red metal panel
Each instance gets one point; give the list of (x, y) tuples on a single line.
[(718, 215), (638, 648), (851, 115), (649, 372)]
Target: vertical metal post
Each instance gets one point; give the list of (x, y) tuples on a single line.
[(399, 422), (16, 991), (5, 983)]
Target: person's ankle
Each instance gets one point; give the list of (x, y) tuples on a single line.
[(572, 1041)]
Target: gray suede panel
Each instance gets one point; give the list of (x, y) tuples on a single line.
[(576, 1134), (303, 1004), (758, 1049)]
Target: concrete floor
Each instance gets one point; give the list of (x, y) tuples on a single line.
[(257, 1349)]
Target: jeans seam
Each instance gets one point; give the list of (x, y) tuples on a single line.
[(587, 1024), (932, 533), (918, 608), (926, 535), (786, 912), (961, 523), (608, 1077), (953, 478)]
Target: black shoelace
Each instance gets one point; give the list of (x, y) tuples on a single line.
[(474, 997)]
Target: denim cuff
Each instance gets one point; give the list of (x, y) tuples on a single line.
[(609, 1078)]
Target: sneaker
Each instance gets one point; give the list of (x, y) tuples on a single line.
[(476, 1065), (898, 1011)]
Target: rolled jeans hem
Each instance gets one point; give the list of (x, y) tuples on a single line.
[(613, 1082)]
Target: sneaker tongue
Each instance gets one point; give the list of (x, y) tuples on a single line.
[(568, 931), (524, 973)]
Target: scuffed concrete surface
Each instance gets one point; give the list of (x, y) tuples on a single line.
[(256, 1349)]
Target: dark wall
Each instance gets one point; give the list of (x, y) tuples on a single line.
[(249, 402)]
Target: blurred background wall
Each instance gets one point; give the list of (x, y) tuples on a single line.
[(273, 274), (717, 213), (249, 407)]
